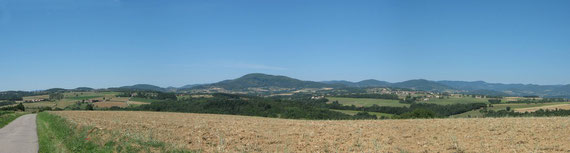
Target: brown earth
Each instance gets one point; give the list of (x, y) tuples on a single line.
[(228, 133)]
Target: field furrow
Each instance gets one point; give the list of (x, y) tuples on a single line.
[(228, 133)]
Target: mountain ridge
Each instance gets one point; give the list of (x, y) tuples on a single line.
[(258, 80), (270, 82)]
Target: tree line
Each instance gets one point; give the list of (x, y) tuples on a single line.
[(374, 96), (56, 96), (543, 100), (15, 95), (298, 107), (438, 110), (250, 106), (538, 113), (19, 107), (4, 103)]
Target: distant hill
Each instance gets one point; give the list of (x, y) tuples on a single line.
[(256, 80), (52, 90), (478, 85), (421, 84), (511, 89), (562, 91), (146, 87), (373, 83), (485, 92), (189, 86), (83, 89), (363, 83), (340, 82)]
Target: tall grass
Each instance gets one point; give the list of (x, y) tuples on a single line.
[(56, 134), (8, 116)]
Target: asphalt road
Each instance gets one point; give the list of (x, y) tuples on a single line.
[(20, 136)]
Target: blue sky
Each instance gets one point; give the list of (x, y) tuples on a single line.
[(106, 43)]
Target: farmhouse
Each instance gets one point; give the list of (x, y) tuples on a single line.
[(34, 100)]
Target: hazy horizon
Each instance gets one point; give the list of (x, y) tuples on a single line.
[(111, 43), (178, 86)]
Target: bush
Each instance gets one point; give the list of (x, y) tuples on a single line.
[(21, 107), (419, 113), (89, 107), (494, 101), (364, 115)]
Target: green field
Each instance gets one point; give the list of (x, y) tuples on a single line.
[(144, 100), (40, 104), (360, 102), (179, 97), (456, 100), (88, 95), (353, 112)]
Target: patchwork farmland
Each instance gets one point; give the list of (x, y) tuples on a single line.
[(99, 100)]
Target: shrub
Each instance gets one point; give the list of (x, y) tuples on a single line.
[(21, 107), (419, 113), (364, 115), (494, 101)]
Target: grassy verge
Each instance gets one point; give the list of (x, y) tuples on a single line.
[(8, 116), (56, 134)]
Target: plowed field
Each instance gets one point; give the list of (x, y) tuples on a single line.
[(227, 133)]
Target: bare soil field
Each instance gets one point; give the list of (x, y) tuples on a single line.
[(551, 107), (228, 133)]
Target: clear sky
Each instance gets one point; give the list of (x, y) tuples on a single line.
[(109, 43)]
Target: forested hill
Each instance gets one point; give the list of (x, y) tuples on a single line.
[(271, 82), (256, 80), (422, 84), (363, 83), (145, 87), (511, 89), (474, 87)]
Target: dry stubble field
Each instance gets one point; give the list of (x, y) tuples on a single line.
[(227, 133)]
